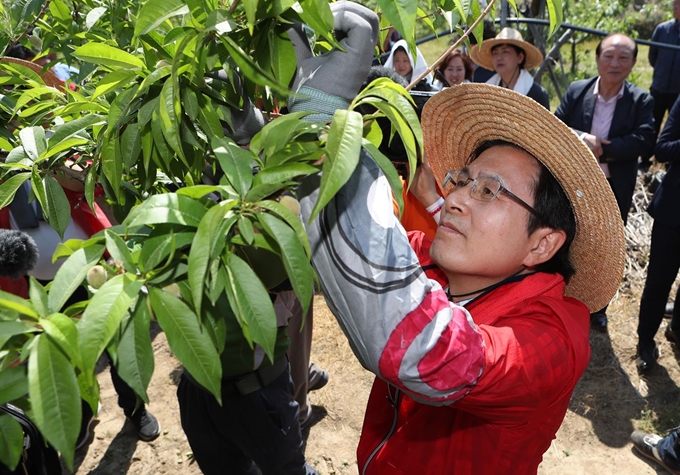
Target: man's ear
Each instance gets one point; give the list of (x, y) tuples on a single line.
[(545, 242)]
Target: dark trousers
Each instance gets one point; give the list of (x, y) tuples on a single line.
[(663, 102), (256, 430), (664, 263), (127, 398)]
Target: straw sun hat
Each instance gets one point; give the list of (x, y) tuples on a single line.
[(457, 120), (482, 55)]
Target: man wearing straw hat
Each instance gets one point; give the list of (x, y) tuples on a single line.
[(511, 57), (477, 338), (615, 119)]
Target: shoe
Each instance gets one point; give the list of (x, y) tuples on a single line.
[(646, 358), (317, 378), (598, 321), (645, 443), (672, 335), (668, 311), (146, 424)]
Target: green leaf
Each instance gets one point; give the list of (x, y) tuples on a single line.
[(245, 229), (11, 328), (342, 155), (61, 12), (34, 142), (119, 250), (69, 129), (318, 15), (277, 134), (17, 304), (93, 16), (112, 163), (9, 188), (135, 353), (251, 69), (284, 172), (113, 80), (281, 57), (167, 208), (62, 330), (295, 259), (555, 14), (293, 220), (13, 383), (236, 163), (106, 55), (58, 210), (103, 315), (401, 14), (38, 296), (188, 342), (155, 12), (251, 304), (55, 399), (155, 249), (207, 246), (71, 274), (390, 172), (12, 436), (168, 113)]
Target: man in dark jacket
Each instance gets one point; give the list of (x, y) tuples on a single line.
[(664, 255), (666, 64), (615, 119)]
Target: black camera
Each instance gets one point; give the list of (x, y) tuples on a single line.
[(420, 98)]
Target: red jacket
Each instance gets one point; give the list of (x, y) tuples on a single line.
[(535, 349)]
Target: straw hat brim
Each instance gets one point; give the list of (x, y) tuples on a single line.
[(482, 55), (48, 76), (457, 120)]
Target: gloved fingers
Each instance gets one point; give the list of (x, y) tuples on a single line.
[(357, 24), (298, 37)]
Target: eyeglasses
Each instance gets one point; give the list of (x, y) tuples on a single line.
[(484, 188)]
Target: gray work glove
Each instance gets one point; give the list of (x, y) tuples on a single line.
[(330, 81), (245, 122)]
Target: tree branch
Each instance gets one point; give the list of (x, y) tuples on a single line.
[(453, 46)]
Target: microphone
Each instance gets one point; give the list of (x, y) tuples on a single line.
[(18, 253)]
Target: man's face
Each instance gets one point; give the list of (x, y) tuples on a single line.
[(616, 60), (480, 243), (401, 63), (506, 59)]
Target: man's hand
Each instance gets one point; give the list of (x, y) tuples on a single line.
[(424, 185), (595, 144), (330, 81)]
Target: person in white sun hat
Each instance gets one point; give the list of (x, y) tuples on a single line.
[(511, 58)]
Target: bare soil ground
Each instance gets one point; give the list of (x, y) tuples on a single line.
[(610, 401)]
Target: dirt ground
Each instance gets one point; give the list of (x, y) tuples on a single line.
[(610, 401)]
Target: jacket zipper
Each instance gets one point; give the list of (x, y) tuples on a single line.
[(394, 400)]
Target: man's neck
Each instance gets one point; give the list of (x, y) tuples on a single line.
[(464, 288), (607, 91)]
